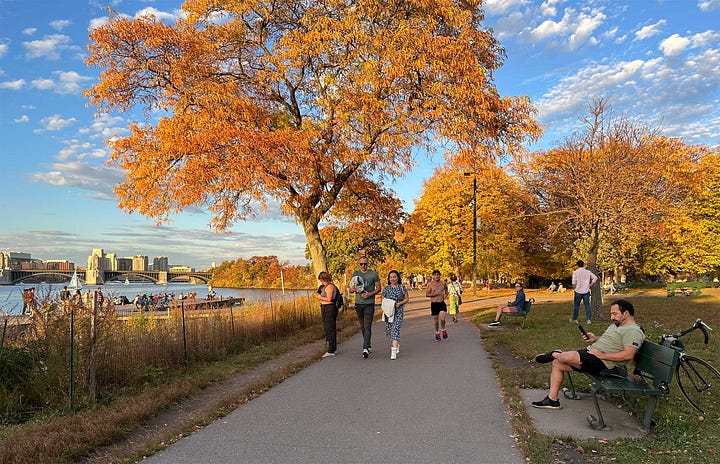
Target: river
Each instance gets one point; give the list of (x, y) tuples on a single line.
[(11, 295)]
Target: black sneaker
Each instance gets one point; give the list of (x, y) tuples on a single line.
[(546, 357), (366, 353), (547, 403), (494, 324)]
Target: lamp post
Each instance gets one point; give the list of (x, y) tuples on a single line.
[(474, 227)]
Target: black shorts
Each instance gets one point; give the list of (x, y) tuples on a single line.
[(437, 307), (590, 363)]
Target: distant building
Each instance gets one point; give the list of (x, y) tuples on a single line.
[(124, 264), (140, 263), (160, 263), (99, 260), (59, 265), (16, 260), (180, 269)]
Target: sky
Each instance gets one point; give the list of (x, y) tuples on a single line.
[(654, 60)]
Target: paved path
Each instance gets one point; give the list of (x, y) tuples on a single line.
[(438, 402)]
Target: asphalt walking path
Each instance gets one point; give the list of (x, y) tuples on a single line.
[(438, 402)]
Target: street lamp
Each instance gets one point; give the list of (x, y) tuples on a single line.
[(474, 227)]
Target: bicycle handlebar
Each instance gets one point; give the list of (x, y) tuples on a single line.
[(698, 324)]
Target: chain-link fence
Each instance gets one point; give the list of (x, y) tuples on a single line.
[(67, 356)]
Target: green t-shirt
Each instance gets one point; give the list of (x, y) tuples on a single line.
[(370, 277), (616, 338)]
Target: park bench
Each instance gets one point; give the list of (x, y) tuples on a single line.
[(522, 312), (685, 288), (655, 366)]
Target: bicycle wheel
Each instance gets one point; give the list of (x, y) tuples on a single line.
[(696, 378)]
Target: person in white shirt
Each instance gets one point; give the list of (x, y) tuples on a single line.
[(582, 280)]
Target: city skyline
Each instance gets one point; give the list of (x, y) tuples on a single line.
[(658, 61), (6, 256)]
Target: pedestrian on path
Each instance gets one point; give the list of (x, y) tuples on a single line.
[(455, 290), (582, 280), (365, 284), (395, 290), (327, 293), (437, 291)]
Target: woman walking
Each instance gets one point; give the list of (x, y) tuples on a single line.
[(395, 290), (327, 293)]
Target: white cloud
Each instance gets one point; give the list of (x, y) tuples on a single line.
[(70, 82), (674, 45), (577, 27), (675, 96), (13, 85), (3, 49), (150, 12), (499, 7), (29, 31), (60, 24), (49, 47), (106, 127), (709, 5), (21, 119), (66, 82), (28, 107), (79, 150), (82, 175), (649, 31), (43, 84), (55, 123)]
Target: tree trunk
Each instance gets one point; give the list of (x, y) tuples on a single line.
[(595, 291), (315, 246)]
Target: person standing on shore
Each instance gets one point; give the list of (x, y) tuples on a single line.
[(327, 293), (437, 291), (582, 280), (365, 284), (395, 290)]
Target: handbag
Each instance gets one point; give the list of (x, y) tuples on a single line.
[(459, 300), (388, 308)]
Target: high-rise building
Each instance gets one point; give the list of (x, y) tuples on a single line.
[(59, 265), (160, 263), (140, 263), (124, 264)]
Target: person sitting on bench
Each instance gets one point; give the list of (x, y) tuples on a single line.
[(513, 307), (610, 352)]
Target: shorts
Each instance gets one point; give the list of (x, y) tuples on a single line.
[(590, 363), (437, 307)]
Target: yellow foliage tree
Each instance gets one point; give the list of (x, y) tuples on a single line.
[(312, 105), (439, 232)]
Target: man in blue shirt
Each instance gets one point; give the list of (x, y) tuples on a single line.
[(513, 307)]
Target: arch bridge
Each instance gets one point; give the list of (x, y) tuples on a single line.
[(14, 276)]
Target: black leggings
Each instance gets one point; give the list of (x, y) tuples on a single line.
[(329, 317)]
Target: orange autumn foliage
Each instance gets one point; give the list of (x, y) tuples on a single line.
[(310, 105)]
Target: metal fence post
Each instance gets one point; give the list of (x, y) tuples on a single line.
[(185, 352), (70, 368), (2, 341)]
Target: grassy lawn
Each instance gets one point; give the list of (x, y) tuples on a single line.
[(681, 434)]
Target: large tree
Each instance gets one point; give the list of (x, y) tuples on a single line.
[(614, 184), (311, 105)]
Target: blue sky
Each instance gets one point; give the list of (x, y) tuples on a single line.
[(654, 60)]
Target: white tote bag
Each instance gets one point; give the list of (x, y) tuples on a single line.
[(388, 307)]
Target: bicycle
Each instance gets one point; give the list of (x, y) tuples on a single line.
[(693, 375)]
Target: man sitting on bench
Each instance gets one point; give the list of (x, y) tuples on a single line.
[(610, 353), (513, 307)]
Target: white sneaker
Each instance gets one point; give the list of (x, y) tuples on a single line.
[(393, 353), (398, 349), (328, 354)]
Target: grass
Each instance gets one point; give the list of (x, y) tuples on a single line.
[(680, 433)]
